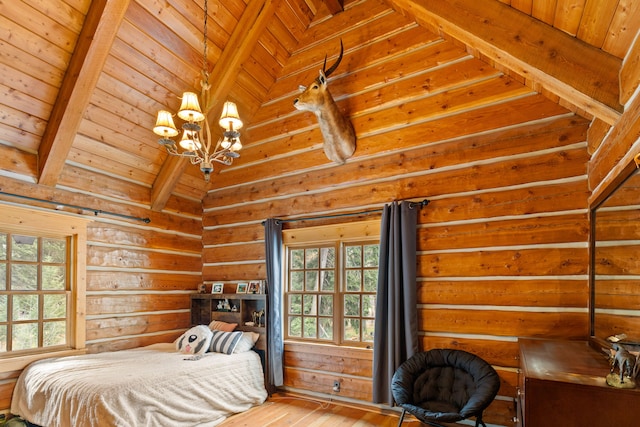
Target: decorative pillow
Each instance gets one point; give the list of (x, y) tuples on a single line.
[(218, 325), (224, 342), (247, 342), (195, 340)]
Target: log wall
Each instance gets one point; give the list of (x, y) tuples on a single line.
[(616, 267), (503, 243)]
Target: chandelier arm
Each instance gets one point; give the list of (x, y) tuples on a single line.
[(207, 142), (194, 160), (171, 149), (224, 160), (199, 150)]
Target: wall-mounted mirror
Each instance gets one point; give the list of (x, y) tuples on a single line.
[(615, 293)]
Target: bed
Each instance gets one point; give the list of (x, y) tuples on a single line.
[(149, 386)]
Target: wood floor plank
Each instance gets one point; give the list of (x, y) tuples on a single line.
[(297, 411)]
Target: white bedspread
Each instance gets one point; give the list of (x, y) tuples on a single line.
[(152, 387)]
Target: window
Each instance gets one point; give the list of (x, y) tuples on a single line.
[(42, 285), (331, 282), (34, 292)]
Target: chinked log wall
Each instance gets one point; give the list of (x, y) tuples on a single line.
[(503, 244), (616, 266)]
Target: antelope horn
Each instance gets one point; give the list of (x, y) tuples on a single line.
[(328, 72)]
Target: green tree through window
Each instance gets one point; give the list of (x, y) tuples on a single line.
[(34, 292), (331, 292)]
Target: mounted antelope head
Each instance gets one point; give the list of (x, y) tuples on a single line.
[(337, 131)]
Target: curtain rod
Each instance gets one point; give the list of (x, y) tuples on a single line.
[(95, 211), (412, 205)]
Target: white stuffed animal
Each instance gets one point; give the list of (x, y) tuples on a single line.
[(195, 340)]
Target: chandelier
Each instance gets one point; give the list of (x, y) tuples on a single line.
[(196, 143)]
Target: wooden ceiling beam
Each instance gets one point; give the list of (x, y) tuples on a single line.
[(585, 76), (630, 71), (240, 45), (242, 41), (90, 54), (166, 180), (313, 5), (334, 6)]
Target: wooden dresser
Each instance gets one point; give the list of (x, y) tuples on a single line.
[(562, 384)]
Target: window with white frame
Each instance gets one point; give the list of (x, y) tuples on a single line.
[(331, 282)]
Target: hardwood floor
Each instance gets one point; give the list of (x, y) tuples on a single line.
[(284, 410)]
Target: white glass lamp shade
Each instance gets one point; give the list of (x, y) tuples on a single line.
[(164, 125), (190, 108), (230, 119), (189, 141), (237, 145)]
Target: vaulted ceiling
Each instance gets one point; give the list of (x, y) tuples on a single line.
[(82, 80)]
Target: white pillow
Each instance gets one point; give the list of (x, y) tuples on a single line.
[(224, 342), (195, 340), (247, 342)]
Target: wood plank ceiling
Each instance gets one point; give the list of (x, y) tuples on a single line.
[(82, 80)]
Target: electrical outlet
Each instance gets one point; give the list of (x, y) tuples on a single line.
[(336, 386)]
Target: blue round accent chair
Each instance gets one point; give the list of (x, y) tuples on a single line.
[(444, 385)]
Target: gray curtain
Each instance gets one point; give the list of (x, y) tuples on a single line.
[(275, 345), (396, 336)]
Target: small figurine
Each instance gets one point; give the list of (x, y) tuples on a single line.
[(257, 317), (260, 314), (627, 365)]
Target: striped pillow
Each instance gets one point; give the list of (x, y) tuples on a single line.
[(224, 342)]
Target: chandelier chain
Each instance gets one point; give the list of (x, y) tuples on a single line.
[(204, 41)]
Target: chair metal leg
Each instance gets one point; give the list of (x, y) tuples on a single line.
[(401, 417), (479, 421)]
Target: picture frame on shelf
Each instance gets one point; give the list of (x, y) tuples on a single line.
[(254, 288), (217, 288), (241, 288)]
